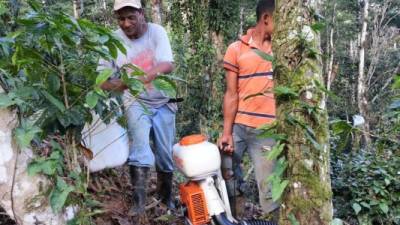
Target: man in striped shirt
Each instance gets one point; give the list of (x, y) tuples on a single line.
[(249, 103)]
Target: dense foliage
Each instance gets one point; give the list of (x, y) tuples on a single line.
[(366, 187), (48, 64)]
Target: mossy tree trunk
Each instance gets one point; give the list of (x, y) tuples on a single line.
[(301, 114)]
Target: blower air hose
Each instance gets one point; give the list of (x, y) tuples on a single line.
[(257, 222), (221, 219)]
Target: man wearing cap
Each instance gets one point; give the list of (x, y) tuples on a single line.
[(152, 114)]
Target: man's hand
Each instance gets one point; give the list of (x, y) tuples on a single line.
[(225, 143), (114, 85)]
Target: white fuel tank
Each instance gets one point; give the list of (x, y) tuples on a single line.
[(196, 158)]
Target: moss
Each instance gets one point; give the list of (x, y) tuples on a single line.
[(317, 191)]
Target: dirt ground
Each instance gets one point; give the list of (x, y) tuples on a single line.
[(112, 189)]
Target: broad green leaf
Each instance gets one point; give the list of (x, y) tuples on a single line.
[(91, 99), (366, 205), (356, 208), (286, 92), (53, 83), (5, 101), (272, 135), (120, 46), (278, 189), (293, 219), (384, 207), (340, 126), (276, 151), (134, 84), (34, 5), (100, 92), (25, 134), (396, 84), (3, 8), (103, 76), (57, 103), (165, 85), (133, 70), (280, 166), (264, 55), (112, 49), (337, 221), (40, 165), (59, 195), (317, 27)]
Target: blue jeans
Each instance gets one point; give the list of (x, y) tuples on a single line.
[(155, 123)]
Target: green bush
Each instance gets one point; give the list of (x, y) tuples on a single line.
[(366, 188)]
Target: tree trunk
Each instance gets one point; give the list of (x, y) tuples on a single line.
[(362, 100), (241, 24), (156, 11), (17, 189), (308, 195), (76, 6)]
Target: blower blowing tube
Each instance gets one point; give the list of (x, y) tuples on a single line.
[(221, 219)]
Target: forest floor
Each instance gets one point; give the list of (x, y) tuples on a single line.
[(112, 189)]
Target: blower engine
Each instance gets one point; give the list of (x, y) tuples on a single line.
[(204, 195)]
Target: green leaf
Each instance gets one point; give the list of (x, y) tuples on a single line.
[(134, 84), (264, 55), (317, 27), (100, 92), (278, 189), (57, 103), (293, 219), (285, 92), (276, 151), (384, 207), (48, 167), (34, 5), (165, 85), (337, 221), (365, 205), (59, 195), (25, 134), (53, 83), (91, 99), (356, 208), (3, 9), (118, 42), (103, 76), (133, 70), (112, 49), (5, 101), (396, 84), (340, 126)]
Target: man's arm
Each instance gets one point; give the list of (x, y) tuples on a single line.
[(160, 68), (230, 105)]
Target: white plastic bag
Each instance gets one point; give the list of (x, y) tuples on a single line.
[(109, 144)]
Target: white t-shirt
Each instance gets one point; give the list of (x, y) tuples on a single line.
[(151, 48)]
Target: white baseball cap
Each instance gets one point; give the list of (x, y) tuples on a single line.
[(119, 4)]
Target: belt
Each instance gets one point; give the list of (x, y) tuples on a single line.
[(175, 100)]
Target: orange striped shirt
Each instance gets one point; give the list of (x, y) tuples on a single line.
[(255, 76)]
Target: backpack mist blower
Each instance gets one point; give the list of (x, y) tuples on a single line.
[(204, 196)]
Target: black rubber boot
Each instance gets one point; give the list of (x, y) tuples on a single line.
[(164, 188), (139, 177)]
